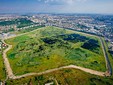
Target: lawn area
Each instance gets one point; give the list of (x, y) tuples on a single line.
[(53, 47), (2, 69), (63, 77)]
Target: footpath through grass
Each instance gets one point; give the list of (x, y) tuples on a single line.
[(63, 77)]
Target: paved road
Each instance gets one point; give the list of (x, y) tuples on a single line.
[(108, 65), (12, 76)]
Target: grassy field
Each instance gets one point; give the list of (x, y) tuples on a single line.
[(28, 29), (63, 77), (52, 47), (2, 69)]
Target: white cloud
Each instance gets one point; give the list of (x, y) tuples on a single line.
[(62, 1)]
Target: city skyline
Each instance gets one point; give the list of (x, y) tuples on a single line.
[(57, 6)]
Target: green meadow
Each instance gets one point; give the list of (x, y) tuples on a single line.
[(2, 69), (52, 47)]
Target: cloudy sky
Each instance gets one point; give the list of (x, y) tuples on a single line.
[(57, 6)]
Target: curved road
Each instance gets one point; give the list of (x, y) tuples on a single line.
[(12, 76)]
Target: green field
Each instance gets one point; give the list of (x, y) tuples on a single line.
[(20, 31), (2, 69), (52, 47), (63, 77)]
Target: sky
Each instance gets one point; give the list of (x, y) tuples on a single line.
[(57, 6)]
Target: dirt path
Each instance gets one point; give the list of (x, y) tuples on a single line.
[(6, 62), (12, 76), (64, 67)]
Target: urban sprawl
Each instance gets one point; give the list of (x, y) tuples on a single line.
[(101, 25)]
